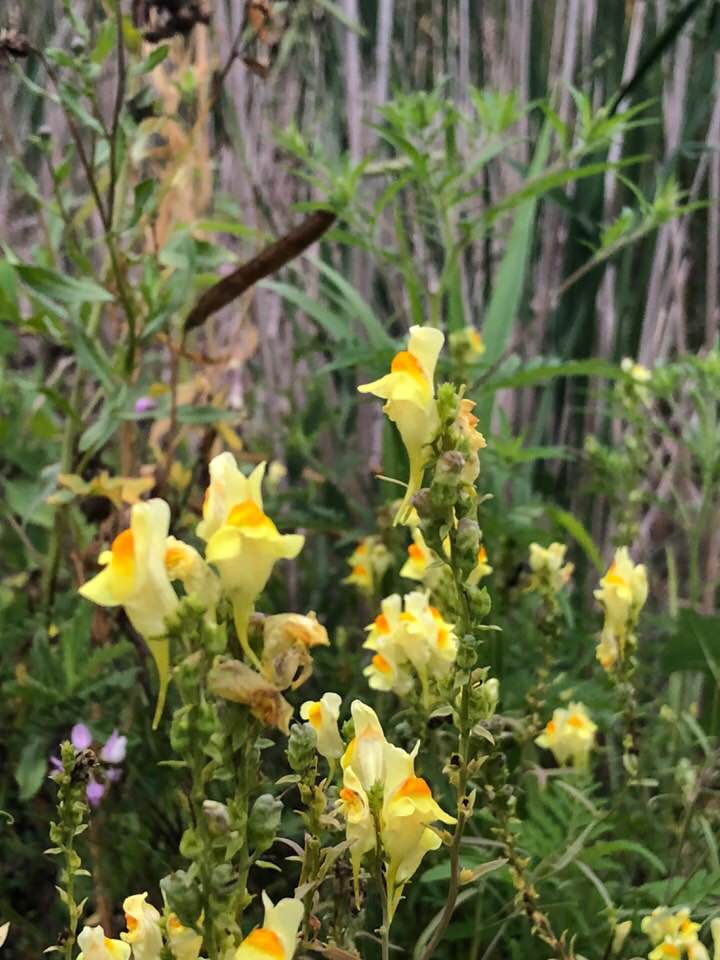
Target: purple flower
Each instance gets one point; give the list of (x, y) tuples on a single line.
[(144, 404), (115, 748), (80, 736), (56, 763), (94, 792)]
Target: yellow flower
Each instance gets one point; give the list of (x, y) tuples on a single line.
[(623, 592), (639, 373), (466, 422), (94, 945), (183, 941), (410, 402), (481, 570), (135, 578), (322, 715), (408, 809), (143, 924), (467, 343), (549, 567), (359, 822), (663, 924), (185, 564), (368, 563), (287, 640), (715, 933), (420, 556), (570, 735), (620, 935), (242, 541), (276, 939), (417, 636), (365, 754)]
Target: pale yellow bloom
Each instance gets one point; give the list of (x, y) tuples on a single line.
[(420, 557), (466, 422), (663, 924), (276, 939), (481, 569), (185, 564), (322, 715), (4, 931), (408, 809), (242, 541), (359, 821), (368, 563), (548, 565), (417, 637), (468, 342), (639, 373), (94, 945), (277, 471), (410, 402), (183, 941), (135, 577), (365, 754), (622, 593), (143, 927), (570, 735), (620, 935)]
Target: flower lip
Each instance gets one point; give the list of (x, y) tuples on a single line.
[(266, 941), (123, 552), (405, 362), (248, 514)]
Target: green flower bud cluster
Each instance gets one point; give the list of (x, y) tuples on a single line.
[(182, 892), (302, 749), (264, 822)]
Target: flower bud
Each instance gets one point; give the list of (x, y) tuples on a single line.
[(422, 501), (447, 403), (183, 896), (264, 821), (620, 936), (190, 844), (180, 730), (467, 653), (301, 748), (467, 543), (217, 816), (480, 603)]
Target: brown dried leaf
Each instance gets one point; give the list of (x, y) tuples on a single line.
[(234, 680)]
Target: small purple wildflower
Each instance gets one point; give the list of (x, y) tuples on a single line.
[(144, 405), (80, 736), (115, 748), (95, 792)]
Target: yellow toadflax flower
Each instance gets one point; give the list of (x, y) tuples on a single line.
[(623, 592), (410, 402), (639, 373), (481, 570), (143, 927), (94, 945), (570, 735), (185, 564), (420, 557), (135, 577), (408, 809), (417, 637), (242, 541), (184, 942), (276, 939), (466, 422), (372, 767), (674, 935), (322, 715), (368, 563), (549, 567)]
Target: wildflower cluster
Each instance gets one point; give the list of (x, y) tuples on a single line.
[(674, 935), (622, 594)]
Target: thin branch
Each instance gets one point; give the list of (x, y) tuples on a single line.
[(117, 109), (268, 261)]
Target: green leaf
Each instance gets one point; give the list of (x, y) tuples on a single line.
[(57, 286), (354, 305), (32, 768), (546, 372), (153, 59), (333, 324), (579, 532)]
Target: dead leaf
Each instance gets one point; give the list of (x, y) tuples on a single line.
[(235, 681)]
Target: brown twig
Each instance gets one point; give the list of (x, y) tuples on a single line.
[(268, 261)]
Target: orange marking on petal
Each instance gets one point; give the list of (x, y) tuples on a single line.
[(405, 362), (361, 548), (670, 950), (359, 571), (131, 922), (174, 556), (408, 617), (442, 637), (382, 623), (123, 552), (381, 663), (482, 555), (315, 714), (266, 941), (415, 787), (247, 514), (415, 552), (550, 727), (575, 720)]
